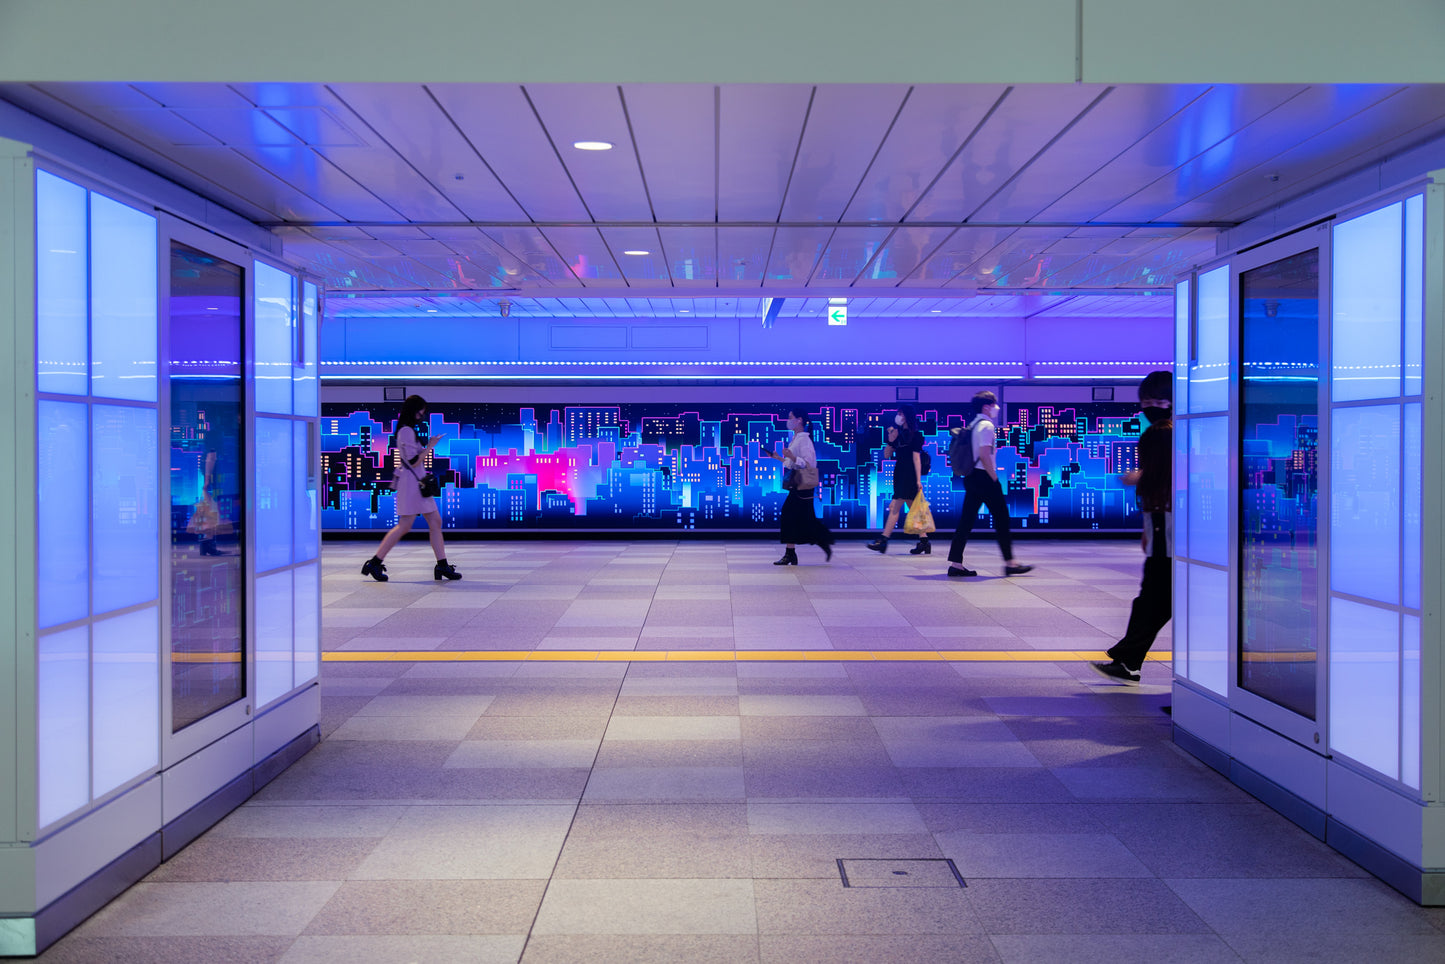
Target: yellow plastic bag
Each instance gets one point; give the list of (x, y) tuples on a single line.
[(920, 517)]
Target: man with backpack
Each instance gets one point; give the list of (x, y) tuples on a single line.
[(971, 455)]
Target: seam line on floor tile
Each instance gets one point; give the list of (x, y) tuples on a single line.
[(727, 656)]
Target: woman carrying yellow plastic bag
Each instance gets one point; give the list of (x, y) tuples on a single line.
[(920, 517)]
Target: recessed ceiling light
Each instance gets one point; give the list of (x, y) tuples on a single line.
[(592, 145), (936, 311), (431, 311), (638, 253)]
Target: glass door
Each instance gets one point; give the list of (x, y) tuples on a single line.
[(1278, 661), (205, 351)]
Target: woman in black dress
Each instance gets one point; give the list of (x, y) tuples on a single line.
[(905, 447), (800, 522)]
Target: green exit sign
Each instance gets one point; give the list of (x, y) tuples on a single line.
[(837, 315)]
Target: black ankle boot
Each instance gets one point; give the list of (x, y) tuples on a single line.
[(924, 548), (374, 568), (790, 558), (879, 545), (445, 570)]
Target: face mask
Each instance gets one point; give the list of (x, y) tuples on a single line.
[(1153, 414), (899, 421)]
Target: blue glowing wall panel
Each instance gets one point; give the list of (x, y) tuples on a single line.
[(62, 330), (688, 466), (123, 300), (62, 544)]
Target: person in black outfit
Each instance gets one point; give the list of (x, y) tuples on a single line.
[(800, 522), (1153, 485), (981, 488), (905, 447)]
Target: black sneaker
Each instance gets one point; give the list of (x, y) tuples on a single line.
[(1116, 670), (959, 572)]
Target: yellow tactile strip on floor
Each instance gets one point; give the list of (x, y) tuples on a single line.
[(722, 656)]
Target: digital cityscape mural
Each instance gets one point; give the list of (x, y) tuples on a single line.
[(692, 467)]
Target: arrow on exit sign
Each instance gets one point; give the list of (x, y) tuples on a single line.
[(837, 316)]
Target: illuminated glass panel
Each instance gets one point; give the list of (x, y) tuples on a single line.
[(308, 509), (304, 371), (1366, 306), (275, 485), (125, 729), (1414, 295), (62, 544), (1181, 488), (1181, 606), (1365, 684), (1209, 488), (1209, 372), (274, 621), (122, 301), (1279, 497), (1208, 630), (1410, 493), (125, 496), (306, 619), (62, 288), (1365, 502), (207, 404), (63, 719), (275, 335), (1181, 346), (1410, 702)]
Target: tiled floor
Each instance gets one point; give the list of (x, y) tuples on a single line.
[(625, 803)]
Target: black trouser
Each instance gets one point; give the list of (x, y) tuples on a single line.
[(1152, 606), (980, 489)]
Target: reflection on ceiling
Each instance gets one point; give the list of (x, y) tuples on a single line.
[(740, 189)]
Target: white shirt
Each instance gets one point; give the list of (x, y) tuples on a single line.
[(804, 459)]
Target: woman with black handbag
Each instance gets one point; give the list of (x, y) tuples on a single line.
[(800, 522), (415, 489)]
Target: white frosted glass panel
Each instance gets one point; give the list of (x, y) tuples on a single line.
[(1365, 684), (1181, 346), (1365, 502), (1410, 702), (304, 372), (1414, 257), (1181, 488), (1209, 372), (62, 288), (275, 335), (274, 493), (125, 730), (307, 622), (274, 619), (63, 717), (125, 506), (1209, 487), (62, 526), (308, 512), (1410, 491), (1365, 313), (122, 301), (1180, 627), (1208, 630)]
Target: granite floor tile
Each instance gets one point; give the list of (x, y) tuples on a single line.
[(1036, 855), (803, 855), (670, 753), (1009, 818), (523, 753), (784, 705), (76, 948), (642, 949), (563, 727), (677, 906), (675, 706), (307, 822), (458, 907), (984, 785), (831, 782), (681, 784), (1335, 948), (227, 859), (857, 949), (430, 948), (1081, 906), (243, 909), (1117, 949), (1347, 907), (1163, 784), (659, 727), (824, 907), (470, 843), (833, 818)]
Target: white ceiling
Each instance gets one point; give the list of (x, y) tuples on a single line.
[(888, 193)]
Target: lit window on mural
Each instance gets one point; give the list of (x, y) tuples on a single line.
[(701, 467)]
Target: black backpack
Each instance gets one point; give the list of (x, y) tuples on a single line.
[(960, 451), (925, 461)]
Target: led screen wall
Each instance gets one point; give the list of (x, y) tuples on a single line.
[(686, 466)]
